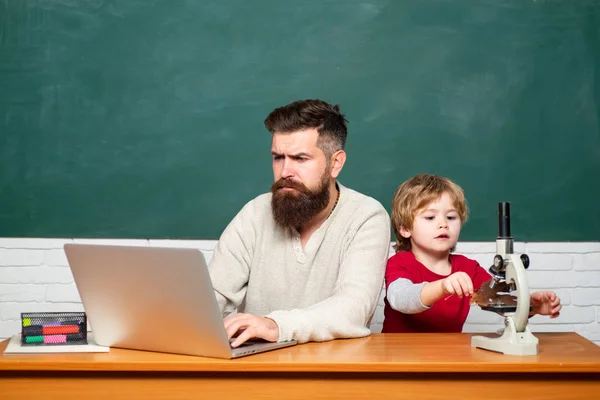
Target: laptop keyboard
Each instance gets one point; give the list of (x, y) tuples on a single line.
[(248, 343)]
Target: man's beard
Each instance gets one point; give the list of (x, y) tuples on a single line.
[(294, 208)]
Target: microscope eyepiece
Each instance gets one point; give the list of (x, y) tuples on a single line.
[(504, 220)]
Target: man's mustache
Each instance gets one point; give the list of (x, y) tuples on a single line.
[(289, 183)]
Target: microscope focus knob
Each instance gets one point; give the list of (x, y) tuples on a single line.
[(525, 260)]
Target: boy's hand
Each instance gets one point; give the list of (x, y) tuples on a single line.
[(546, 303), (459, 284)]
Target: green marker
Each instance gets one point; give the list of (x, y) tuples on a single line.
[(34, 339)]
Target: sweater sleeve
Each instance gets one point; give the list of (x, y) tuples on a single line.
[(405, 296), (230, 266), (348, 311)]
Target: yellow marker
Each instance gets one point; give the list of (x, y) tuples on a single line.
[(26, 321)]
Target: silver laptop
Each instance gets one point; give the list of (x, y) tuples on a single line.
[(153, 298)]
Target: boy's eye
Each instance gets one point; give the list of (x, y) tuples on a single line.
[(429, 217), (451, 217)]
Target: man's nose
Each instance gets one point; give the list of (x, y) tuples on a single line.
[(287, 170)]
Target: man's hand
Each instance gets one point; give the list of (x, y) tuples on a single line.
[(459, 284), (545, 303), (249, 326)]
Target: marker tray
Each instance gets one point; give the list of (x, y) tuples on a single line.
[(53, 328)]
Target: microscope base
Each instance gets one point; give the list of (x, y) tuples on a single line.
[(511, 342)]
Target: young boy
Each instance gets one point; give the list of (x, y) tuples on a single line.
[(428, 288)]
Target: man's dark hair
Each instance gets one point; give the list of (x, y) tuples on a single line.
[(311, 114)]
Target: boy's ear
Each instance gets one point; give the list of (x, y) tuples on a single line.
[(404, 232)]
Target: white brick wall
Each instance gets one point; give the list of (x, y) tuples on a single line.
[(34, 276)]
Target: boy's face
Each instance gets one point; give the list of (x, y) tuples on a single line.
[(435, 229)]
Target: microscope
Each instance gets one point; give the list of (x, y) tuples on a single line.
[(508, 272)]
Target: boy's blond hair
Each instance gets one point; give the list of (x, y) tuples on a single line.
[(417, 193)]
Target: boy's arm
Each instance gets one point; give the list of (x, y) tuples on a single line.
[(402, 293), (410, 298), (458, 283), (432, 292), (405, 296), (545, 303)]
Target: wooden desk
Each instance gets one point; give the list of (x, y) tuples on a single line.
[(415, 366)]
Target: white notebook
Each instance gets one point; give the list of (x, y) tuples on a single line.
[(14, 347)]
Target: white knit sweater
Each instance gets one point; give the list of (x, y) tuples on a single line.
[(328, 289)]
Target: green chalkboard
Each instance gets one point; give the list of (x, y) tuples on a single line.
[(144, 119)]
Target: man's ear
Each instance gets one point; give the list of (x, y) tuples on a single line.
[(405, 232), (338, 159)]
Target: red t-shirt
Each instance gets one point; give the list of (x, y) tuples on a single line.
[(444, 315)]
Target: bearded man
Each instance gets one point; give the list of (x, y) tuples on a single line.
[(305, 261)]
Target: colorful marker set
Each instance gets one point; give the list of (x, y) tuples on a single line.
[(53, 328)]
